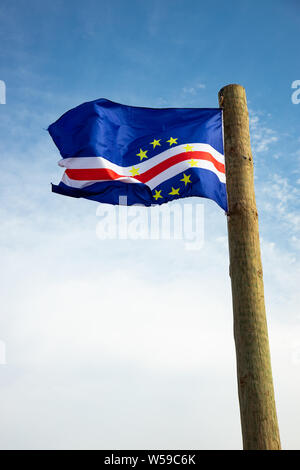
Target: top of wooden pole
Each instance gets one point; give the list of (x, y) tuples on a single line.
[(229, 86), (238, 155)]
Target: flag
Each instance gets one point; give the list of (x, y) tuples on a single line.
[(151, 156)]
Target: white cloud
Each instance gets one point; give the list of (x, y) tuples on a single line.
[(193, 90), (262, 137), (113, 345), (281, 198), (102, 334)]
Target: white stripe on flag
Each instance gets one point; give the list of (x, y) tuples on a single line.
[(102, 162)]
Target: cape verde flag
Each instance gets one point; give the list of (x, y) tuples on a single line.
[(151, 156)]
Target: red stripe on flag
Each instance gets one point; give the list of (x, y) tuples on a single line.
[(180, 157), (90, 174)]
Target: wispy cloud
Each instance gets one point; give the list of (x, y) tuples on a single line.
[(262, 136), (193, 90), (278, 201)]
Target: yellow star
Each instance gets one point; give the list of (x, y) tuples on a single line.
[(188, 148), (157, 195), (155, 143), (172, 141), (193, 162), (174, 191), (186, 179), (142, 154), (134, 171)]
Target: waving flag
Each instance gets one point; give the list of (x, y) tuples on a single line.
[(151, 156)]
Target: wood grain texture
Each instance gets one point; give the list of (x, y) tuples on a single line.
[(255, 383)]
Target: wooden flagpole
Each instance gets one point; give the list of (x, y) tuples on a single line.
[(255, 384)]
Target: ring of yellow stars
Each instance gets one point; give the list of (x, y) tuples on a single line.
[(172, 141), (142, 154), (157, 194), (134, 171), (188, 148), (193, 162), (186, 179), (155, 143), (174, 191)]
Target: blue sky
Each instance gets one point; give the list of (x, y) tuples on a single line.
[(127, 341)]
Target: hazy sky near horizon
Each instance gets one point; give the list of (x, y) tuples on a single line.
[(128, 344)]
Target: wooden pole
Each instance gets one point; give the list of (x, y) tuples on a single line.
[(255, 384)]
